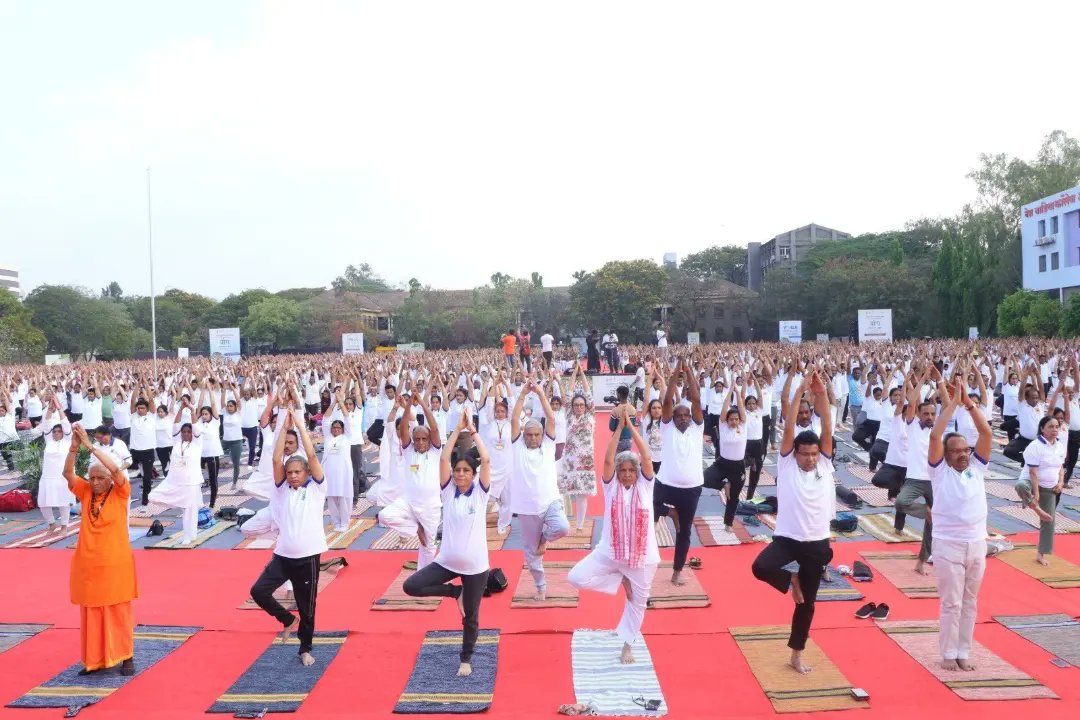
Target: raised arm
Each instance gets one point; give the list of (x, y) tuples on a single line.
[(787, 442), (694, 392), (609, 456), (432, 423), (315, 468), (515, 415), (445, 469), (937, 446)]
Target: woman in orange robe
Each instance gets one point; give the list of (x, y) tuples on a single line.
[(103, 567)]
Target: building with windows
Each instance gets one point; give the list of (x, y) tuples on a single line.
[(671, 260), (1050, 244), (784, 250), (9, 278)]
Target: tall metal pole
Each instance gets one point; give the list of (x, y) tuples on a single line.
[(150, 244)]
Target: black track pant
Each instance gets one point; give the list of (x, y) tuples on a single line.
[(212, 465), (812, 557), (145, 460), (359, 481), (684, 501), (304, 575), (252, 436), (434, 580)]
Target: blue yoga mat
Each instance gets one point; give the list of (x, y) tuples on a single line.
[(277, 681), (434, 686), (12, 635), (152, 644)]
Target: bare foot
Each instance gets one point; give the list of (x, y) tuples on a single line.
[(677, 578), (542, 547), (949, 665), (796, 591), (307, 659), (540, 595), (964, 665), (286, 632), (797, 664), (1041, 559), (627, 657), (920, 568)]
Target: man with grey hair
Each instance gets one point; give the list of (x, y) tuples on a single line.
[(533, 486)]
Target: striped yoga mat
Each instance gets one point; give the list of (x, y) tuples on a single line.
[(992, 678), (871, 495), (558, 593), (1057, 634), (277, 681), (361, 506), (1062, 525), (150, 511), (766, 479), (173, 542), (880, 525), (11, 635), (836, 587), (602, 680), (1060, 573), (256, 543), (13, 526), (665, 532), (434, 686), (342, 540), (766, 652), (328, 572), (394, 597), (42, 537), (860, 472), (68, 689), (1002, 490), (391, 540), (899, 569), (665, 595), (711, 531), (576, 539)]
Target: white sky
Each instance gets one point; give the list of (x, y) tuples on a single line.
[(449, 140)]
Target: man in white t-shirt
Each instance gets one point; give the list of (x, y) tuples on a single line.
[(958, 475), (296, 504), (806, 502), (547, 345), (916, 497)]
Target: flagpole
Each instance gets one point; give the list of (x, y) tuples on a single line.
[(150, 244)]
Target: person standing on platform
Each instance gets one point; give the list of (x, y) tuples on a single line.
[(807, 504), (547, 343), (103, 582)]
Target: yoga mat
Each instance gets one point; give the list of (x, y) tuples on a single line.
[(860, 472), (837, 588), (1062, 524), (766, 652), (11, 526), (1003, 490), (495, 541), (770, 522), (664, 595), (880, 525), (766, 479), (12, 635), (992, 678), (173, 542), (665, 532), (326, 576), (342, 540), (361, 506), (711, 531), (277, 681), (151, 510), (391, 540), (576, 540), (139, 522), (434, 686), (394, 597), (256, 543), (601, 679), (875, 496), (1058, 634), (1060, 573), (152, 643), (43, 537), (558, 593), (898, 568)]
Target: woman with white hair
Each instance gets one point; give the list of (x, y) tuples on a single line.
[(627, 553)]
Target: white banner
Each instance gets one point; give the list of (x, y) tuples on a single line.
[(181, 352), (823, 337), (791, 331), (605, 386), (875, 325), (225, 341), (410, 347), (63, 359), (973, 333), (352, 343), (693, 338)]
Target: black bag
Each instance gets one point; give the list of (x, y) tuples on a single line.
[(156, 528), (227, 513), (375, 432), (496, 582), (860, 572), (849, 498), (845, 522)]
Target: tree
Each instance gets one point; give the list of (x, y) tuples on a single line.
[(20, 341), (172, 322), (75, 321), (1044, 317), (359, 278), (112, 291), (1070, 319), (727, 262), (537, 280), (233, 309), (499, 280), (1011, 312), (273, 320), (622, 295), (300, 294)]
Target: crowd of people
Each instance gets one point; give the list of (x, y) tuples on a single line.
[(512, 431)]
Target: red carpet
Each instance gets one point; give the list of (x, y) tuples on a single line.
[(700, 668)]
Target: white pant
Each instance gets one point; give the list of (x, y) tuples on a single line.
[(599, 572), (340, 509), (500, 492), (62, 516), (959, 568), (401, 516), (549, 525)]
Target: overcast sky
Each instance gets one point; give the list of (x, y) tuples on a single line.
[(450, 140)]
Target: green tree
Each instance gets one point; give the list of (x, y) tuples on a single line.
[(78, 322), (273, 320), (1044, 317), (1011, 312), (359, 278), (230, 311), (623, 295), (112, 291), (20, 341), (1070, 318), (727, 262), (172, 322)]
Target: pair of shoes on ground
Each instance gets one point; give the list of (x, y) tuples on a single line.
[(873, 611)]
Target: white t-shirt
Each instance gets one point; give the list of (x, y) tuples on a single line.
[(661, 339), (121, 416), (546, 342), (143, 431), (211, 438), (232, 423), (755, 426), (1046, 458), (732, 442), (918, 441), (680, 465), (533, 482), (117, 449), (898, 446), (806, 500), (959, 501), (464, 546), (250, 412), (644, 488), (163, 430), (1029, 418), (298, 515), (420, 473), (91, 415), (1011, 400)]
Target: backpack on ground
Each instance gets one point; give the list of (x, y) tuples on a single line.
[(845, 522), (496, 582)]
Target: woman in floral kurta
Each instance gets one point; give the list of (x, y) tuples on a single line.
[(577, 470)]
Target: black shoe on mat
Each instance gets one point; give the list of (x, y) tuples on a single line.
[(866, 611), (882, 612)]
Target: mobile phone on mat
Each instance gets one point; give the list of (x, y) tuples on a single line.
[(1059, 662), (859, 694)]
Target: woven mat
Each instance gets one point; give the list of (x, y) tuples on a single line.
[(151, 510), (602, 680), (1003, 490), (1058, 634), (12, 526), (394, 597), (43, 537), (12, 634), (342, 540), (1062, 525), (871, 495), (770, 522), (899, 569), (289, 603), (256, 543), (1060, 573), (558, 592), (880, 525), (433, 685), (766, 479), (575, 540), (391, 540), (711, 531), (665, 532), (174, 541), (837, 588), (766, 652), (361, 506), (862, 473), (663, 595)]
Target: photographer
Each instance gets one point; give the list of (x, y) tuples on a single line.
[(622, 397)]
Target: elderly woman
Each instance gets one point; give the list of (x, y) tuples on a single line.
[(103, 568), (627, 553)]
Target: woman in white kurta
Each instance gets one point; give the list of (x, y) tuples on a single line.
[(53, 496), (496, 435), (182, 486), (627, 553), (389, 487), (337, 465), (208, 424)]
